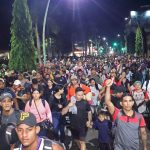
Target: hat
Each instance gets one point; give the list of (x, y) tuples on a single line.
[(33, 71), (26, 118), (4, 95), (73, 77), (1, 79), (137, 82), (17, 82)]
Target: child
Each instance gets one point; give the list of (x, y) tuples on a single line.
[(104, 125)]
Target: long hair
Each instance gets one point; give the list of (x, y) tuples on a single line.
[(96, 85)]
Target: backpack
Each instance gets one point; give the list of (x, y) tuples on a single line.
[(115, 123), (8, 133), (147, 82), (47, 144)]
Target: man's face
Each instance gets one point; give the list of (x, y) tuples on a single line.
[(27, 135), (6, 104), (2, 85), (127, 103), (137, 86), (79, 95), (93, 72), (38, 76)]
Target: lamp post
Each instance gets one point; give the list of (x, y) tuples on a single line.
[(44, 26)]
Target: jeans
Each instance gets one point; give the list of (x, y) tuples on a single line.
[(58, 126)]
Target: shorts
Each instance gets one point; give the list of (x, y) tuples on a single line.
[(79, 134)]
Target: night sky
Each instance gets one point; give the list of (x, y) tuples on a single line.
[(84, 17)]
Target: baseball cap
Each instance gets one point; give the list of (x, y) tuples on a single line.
[(4, 95), (137, 82), (73, 77), (17, 82), (26, 118)]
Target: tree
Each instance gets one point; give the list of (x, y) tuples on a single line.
[(22, 55), (138, 41)]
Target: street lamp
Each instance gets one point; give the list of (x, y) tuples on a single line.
[(44, 26), (133, 14), (118, 35), (147, 14), (104, 38)]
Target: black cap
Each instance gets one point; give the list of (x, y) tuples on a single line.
[(26, 118)]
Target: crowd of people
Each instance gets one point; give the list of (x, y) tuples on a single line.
[(108, 93)]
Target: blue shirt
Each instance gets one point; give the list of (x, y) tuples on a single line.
[(104, 130)]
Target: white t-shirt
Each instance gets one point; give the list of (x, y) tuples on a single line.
[(95, 94), (139, 98)]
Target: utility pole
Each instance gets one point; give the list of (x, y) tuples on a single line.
[(44, 26)]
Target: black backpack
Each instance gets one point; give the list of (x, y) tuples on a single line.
[(8, 133)]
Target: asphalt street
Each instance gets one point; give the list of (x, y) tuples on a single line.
[(92, 143)]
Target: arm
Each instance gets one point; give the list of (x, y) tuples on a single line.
[(25, 97), (16, 103), (108, 102), (27, 107), (89, 116), (57, 147), (48, 112), (144, 137), (66, 109)]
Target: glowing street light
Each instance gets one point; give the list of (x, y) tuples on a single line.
[(104, 38), (133, 14), (118, 35), (147, 14)]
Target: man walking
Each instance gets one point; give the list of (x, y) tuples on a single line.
[(128, 123)]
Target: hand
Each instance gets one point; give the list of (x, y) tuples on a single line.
[(71, 104), (88, 124), (109, 82), (91, 125), (60, 106)]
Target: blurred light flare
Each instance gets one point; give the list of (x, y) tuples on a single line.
[(133, 13), (147, 14)]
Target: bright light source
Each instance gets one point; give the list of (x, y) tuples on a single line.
[(118, 35), (147, 14), (133, 13), (104, 39), (111, 52), (90, 40), (115, 44), (126, 18)]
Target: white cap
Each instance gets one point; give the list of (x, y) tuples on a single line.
[(17, 82)]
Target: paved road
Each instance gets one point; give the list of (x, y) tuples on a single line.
[(92, 143)]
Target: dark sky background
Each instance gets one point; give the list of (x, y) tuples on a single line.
[(84, 17)]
